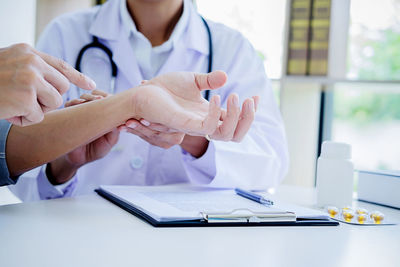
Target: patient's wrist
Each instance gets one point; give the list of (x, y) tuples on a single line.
[(135, 103), (128, 103)]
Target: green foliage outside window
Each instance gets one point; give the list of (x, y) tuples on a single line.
[(377, 59)]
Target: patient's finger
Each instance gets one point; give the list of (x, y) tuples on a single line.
[(256, 101), (246, 119), (210, 124), (223, 114), (227, 129)]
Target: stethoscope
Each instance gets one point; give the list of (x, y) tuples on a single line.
[(114, 70)]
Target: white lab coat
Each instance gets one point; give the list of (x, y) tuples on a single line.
[(258, 162)]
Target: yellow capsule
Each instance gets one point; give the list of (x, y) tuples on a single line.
[(348, 215), (377, 217), (361, 211), (347, 208), (332, 211), (361, 218)]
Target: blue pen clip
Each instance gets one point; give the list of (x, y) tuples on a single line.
[(253, 196)]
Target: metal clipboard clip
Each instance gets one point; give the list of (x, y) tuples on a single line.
[(247, 216)]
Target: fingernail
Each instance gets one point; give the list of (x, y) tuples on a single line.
[(217, 100), (122, 129), (235, 100), (132, 125), (145, 123), (250, 105), (92, 84)]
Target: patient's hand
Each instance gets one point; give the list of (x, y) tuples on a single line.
[(175, 101), (226, 125), (64, 168), (175, 106), (234, 125)]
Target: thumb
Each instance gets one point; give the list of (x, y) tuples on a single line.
[(212, 80)]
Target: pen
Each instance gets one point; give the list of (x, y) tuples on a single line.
[(253, 196)]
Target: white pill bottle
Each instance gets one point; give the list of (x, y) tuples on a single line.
[(335, 175)]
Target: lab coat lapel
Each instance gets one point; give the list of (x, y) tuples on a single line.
[(176, 61), (192, 45), (125, 60)]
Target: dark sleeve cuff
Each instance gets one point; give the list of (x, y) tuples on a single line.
[(5, 178)]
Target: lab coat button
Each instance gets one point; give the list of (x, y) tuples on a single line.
[(136, 163), (117, 149)]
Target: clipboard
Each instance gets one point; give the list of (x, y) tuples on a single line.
[(206, 221)]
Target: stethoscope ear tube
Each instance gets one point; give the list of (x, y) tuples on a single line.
[(96, 44), (210, 56)]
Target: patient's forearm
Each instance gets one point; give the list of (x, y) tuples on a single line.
[(64, 130)]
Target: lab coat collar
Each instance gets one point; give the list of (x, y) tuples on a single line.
[(107, 23), (108, 26), (124, 57), (129, 26)]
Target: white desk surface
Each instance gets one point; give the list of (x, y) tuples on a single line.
[(90, 231)]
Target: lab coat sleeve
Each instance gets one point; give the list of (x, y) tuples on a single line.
[(49, 191), (35, 185), (200, 170), (260, 161)]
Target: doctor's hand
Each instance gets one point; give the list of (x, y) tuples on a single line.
[(64, 168), (31, 83), (153, 133), (175, 101)]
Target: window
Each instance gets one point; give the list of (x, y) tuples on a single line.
[(261, 21), (374, 37), (367, 114)]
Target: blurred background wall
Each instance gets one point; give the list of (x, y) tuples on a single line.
[(49, 9), (18, 19)]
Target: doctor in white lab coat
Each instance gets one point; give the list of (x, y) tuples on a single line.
[(259, 161)]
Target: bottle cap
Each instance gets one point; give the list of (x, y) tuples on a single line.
[(335, 150)]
